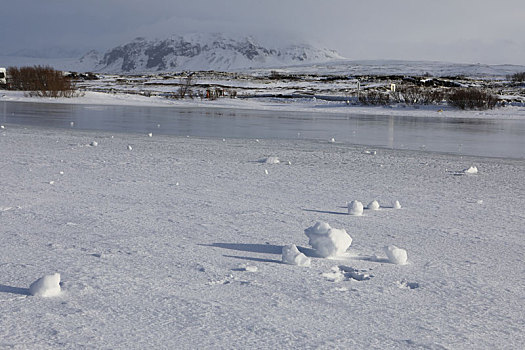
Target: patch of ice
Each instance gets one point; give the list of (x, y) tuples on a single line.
[(328, 241), (373, 205), (291, 255), (47, 286), (355, 208), (396, 255)]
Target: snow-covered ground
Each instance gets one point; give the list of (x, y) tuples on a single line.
[(177, 242)]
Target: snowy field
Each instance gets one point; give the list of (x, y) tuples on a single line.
[(175, 242)]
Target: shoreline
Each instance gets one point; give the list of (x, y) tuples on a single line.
[(273, 105)]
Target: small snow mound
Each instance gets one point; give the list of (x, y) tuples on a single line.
[(292, 256), (250, 268), (397, 205), (396, 255), (47, 286), (355, 208), (471, 170), (328, 241), (373, 205), (270, 160)]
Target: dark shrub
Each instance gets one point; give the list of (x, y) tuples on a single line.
[(472, 98), (517, 77), (40, 81)]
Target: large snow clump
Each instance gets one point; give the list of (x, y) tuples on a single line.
[(355, 208), (292, 256), (327, 241), (396, 255), (47, 286)]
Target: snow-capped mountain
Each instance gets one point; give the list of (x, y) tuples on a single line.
[(204, 52)]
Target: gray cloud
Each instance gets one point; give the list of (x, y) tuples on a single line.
[(464, 31)]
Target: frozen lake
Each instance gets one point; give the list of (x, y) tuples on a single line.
[(478, 137)]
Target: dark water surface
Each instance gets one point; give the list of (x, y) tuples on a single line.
[(478, 137)]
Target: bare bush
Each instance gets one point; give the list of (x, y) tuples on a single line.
[(374, 98), (185, 87), (472, 98), (413, 95), (41, 81)]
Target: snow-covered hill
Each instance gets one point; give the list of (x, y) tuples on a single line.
[(204, 52)]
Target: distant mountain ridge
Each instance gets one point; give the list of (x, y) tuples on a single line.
[(202, 52)]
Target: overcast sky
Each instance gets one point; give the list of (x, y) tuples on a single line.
[(469, 31)]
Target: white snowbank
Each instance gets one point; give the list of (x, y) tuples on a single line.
[(328, 241), (396, 255), (373, 205), (471, 170), (47, 286), (292, 256), (355, 208)]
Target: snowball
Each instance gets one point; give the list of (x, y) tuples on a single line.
[(396, 255), (397, 205), (271, 160), (355, 208), (327, 241), (471, 170), (292, 256), (373, 205), (47, 286)]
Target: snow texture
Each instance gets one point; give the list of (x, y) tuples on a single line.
[(47, 286), (355, 207), (153, 265), (328, 241), (396, 255), (291, 255)]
